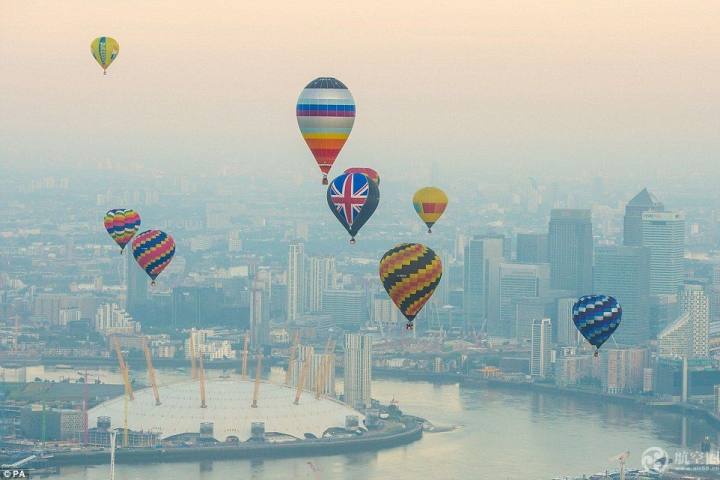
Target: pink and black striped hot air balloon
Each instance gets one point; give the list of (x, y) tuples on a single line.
[(153, 250)]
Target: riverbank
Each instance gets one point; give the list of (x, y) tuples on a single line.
[(247, 450)]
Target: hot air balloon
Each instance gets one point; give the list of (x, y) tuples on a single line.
[(410, 272), (366, 171), (153, 251), (104, 50), (597, 317), (430, 203), (325, 113), (122, 224), (353, 198)]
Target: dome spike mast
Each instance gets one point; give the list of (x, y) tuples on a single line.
[(257, 380), (308, 353)]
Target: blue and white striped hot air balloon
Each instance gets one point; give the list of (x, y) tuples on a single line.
[(597, 317)]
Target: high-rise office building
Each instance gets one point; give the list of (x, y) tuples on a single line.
[(532, 248), (623, 370), (517, 280), (675, 340), (358, 370), (664, 233), (321, 277), (481, 285), (693, 300), (570, 250), (136, 285), (540, 348), (260, 293), (624, 273), (348, 308), (567, 333), (632, 225), (296, 283)]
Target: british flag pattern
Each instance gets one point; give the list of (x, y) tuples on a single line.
[(349, 193)]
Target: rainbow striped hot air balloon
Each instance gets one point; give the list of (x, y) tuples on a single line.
[(122, 224), (104, 50), (325, 114), (410, 272), (153, 250), (430, 203)]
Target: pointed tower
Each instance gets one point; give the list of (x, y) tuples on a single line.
[(641, 203)]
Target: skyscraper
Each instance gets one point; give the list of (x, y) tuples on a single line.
[(296, 283), (261, 285), (348, 308), (540, 348), (567, 332), (481, 270), (321, 277), (136, 285), (664, 233), (516, 281), (693, 300), (358, 370), (624, 273), (532, 248), (632, 225), (570, 250), (316, 371)]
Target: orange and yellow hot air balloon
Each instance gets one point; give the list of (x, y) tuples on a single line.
[(430, 203)]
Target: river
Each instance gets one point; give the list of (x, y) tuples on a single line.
[(504, 435)]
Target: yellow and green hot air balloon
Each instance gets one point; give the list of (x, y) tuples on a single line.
[(104, 50), (430, 203)]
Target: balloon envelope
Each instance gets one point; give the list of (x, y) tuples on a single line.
[(353, 198), (122, 224), (410, 272), (153, 250), (597, 317), (325, 114), (430, 203), (104, 50), (367, 171)]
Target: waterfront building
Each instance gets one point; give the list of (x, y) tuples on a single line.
[(516, 280), (296, 283), (570, 250), (624, 273), (111, 319), (648, 380), (717, 399), (623, 369), (531, 248), (664, 233), (317, 366), (358, 370), (632, 223), (693, 300), (481, 297), (675, 340), (540, 348), (321, 277), (663, 311)]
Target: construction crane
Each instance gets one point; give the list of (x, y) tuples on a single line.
[(622, 458), (319, 373), (245, 353), (308, 354), (85, 405), (202, 382), (151, 372), (292, 358), (192, 357), (326, 371), (257, 380), (123, 369)]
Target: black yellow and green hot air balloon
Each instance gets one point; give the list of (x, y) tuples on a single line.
[(104, 50), (430, 203), (410, 272)]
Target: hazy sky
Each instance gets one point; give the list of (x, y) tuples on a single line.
[(523, 83)]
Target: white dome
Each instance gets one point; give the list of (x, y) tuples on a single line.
[(229, 408)]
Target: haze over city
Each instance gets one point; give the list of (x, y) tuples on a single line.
[(260, 324)]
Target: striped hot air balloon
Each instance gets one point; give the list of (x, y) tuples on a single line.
[(430, 203), (104, 50), (597, 317), (325, 114), (122, 224), (153, 250), (410, 272)]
